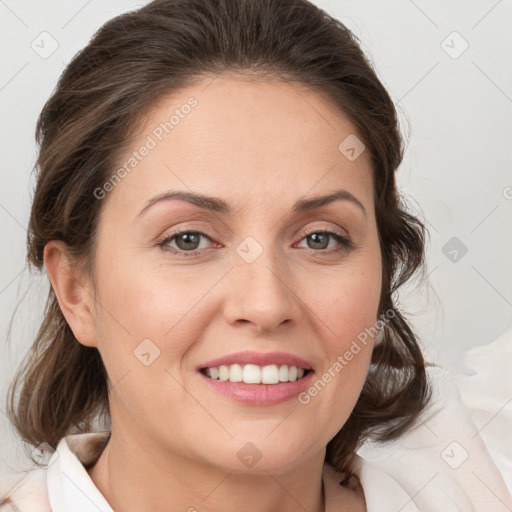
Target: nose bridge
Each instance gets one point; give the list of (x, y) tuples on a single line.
[(259, 285), (261, 266)]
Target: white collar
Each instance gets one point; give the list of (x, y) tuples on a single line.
[(69, 485)]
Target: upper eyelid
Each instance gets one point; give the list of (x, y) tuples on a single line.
[(212, 232), (204, 232), (168, 238)]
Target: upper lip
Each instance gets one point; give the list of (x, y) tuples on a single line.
[(258, 358)]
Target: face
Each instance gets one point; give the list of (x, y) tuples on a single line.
[(260, 273)]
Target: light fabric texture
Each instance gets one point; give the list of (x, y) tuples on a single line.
[(443, 463), (486, 390)]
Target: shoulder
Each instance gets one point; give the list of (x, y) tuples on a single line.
[(30, 494)]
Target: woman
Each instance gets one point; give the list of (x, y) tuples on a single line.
[(217, 213)]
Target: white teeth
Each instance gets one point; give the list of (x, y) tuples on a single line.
[(270, 374), (254, 374), (223, 372), (235, 373)]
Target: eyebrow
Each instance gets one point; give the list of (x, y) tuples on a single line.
[(218, 205)]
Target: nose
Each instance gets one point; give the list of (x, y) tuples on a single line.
[(261, 293)]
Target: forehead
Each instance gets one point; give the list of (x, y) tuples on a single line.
[(252, 138)]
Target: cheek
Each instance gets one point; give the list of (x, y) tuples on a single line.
[(149, 302), (147, 325), (348, 305), (347, 311)]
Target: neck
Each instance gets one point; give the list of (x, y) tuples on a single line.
[(144, 477)]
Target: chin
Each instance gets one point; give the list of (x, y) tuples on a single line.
[(262, 456)]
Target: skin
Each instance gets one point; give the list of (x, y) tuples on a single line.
[(260, 146)]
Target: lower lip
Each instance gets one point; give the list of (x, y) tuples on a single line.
[(259, 394)]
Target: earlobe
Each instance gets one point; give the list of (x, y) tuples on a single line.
[(72, 291)]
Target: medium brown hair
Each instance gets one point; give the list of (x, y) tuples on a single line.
[(98, 105)]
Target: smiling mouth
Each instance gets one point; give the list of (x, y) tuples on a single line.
[(255, 374)]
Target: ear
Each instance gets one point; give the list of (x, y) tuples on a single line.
[(73, 292)]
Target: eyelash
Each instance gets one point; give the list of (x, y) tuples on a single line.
[(346, 244)]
